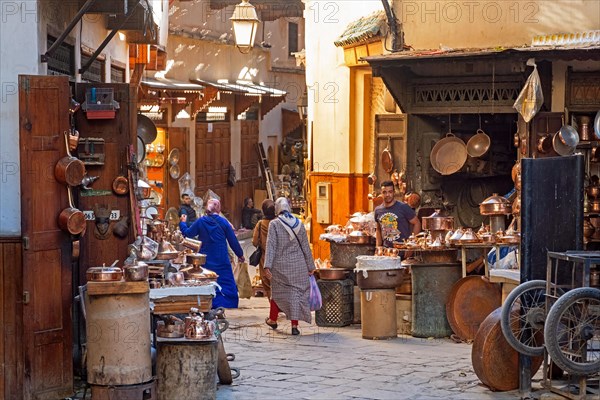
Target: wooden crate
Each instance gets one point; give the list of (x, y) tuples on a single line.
[(182, 304)]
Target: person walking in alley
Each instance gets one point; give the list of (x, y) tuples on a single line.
[(288, 263), (395, 219), (259, 239), (215, 232)]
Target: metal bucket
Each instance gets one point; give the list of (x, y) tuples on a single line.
[(378, 313), (343, 255), (431, 285), (118, 339)]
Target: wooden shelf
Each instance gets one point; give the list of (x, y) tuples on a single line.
[(117, 287)]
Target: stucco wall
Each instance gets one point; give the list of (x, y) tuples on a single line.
[(328, 80), (429, 24)]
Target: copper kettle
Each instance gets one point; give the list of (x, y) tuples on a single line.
[(196, 327)]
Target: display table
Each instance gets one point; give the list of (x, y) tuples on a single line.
[(179, 299)]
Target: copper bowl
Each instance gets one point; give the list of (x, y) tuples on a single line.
[(333, 273)]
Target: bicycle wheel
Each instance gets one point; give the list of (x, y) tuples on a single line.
[(573, 331), (523, 327)]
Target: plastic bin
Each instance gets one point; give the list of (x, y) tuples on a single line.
[(338, 303)]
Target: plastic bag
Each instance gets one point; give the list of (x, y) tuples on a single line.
[(314, 299), (531, 98), (243, 282)]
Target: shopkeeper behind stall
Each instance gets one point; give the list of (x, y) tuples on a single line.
[(395, 219), (215, 232)]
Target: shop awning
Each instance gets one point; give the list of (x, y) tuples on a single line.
[(171, 84), (242, 87), (466, 80), (363, 29), (539, 53)]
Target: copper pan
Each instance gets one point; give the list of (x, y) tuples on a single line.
[(69, 170), (544, 144), (448, 155), (71, 220)]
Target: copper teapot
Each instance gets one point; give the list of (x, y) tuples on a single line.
[(196, 327)]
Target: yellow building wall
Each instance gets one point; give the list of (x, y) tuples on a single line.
[(429, 24)]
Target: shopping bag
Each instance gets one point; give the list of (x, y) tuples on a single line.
[(255, 257), (314, 300), (242, 280), (531, 98)]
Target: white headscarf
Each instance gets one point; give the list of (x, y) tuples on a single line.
[(284, 213)]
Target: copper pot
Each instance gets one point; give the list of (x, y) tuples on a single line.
[(495, 205), (595, 206), (195, 259), (104, 273), (544, 144), (137, 272), (438, 222), (380, 279), (120, 185), (69, 170), (333, 273), (593, 191), (71, 220), (73, 139)]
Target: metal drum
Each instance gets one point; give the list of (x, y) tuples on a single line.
[(378, 313), (431, 286), (187, 369), (118, 339), (343, 255)]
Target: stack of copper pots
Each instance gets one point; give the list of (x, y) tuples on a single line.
[(593, 194)]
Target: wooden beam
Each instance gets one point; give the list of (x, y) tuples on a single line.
[(136, 76)]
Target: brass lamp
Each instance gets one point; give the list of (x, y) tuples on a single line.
[(245, 24)]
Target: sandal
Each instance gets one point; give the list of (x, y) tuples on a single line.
[(273, 325)]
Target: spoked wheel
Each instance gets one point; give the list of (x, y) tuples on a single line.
[(523, 328), (573, 331)]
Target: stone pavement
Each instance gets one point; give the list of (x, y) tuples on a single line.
[(336, 363)]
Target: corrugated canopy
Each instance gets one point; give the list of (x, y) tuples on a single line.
[(242, 87), (171, 84), (363, 29)]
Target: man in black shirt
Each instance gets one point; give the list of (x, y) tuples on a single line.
[(395, 219), (187, 209)]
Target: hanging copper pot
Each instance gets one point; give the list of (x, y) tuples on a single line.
[(73, 139), (120, 184), (387, 161), (544, 144), (69, 170), (71, 220)]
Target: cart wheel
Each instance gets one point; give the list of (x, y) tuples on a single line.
[(524, 329), (223, 369), (573, 331)]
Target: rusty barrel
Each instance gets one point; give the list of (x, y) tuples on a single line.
[(378, 313), (118, 338), (186, 369), (343, 255), (431, 286)]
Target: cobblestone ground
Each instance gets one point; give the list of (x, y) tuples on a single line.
[(336, 363)]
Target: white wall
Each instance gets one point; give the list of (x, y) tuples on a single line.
[(427, 24), (19, 54), (328, 79)]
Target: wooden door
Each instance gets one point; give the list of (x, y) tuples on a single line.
[(213, 155), (177, 138), (47, 337)]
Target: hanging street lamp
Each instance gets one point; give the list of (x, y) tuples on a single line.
[(245, 24)]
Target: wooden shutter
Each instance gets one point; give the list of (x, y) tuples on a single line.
[(47, 337)]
